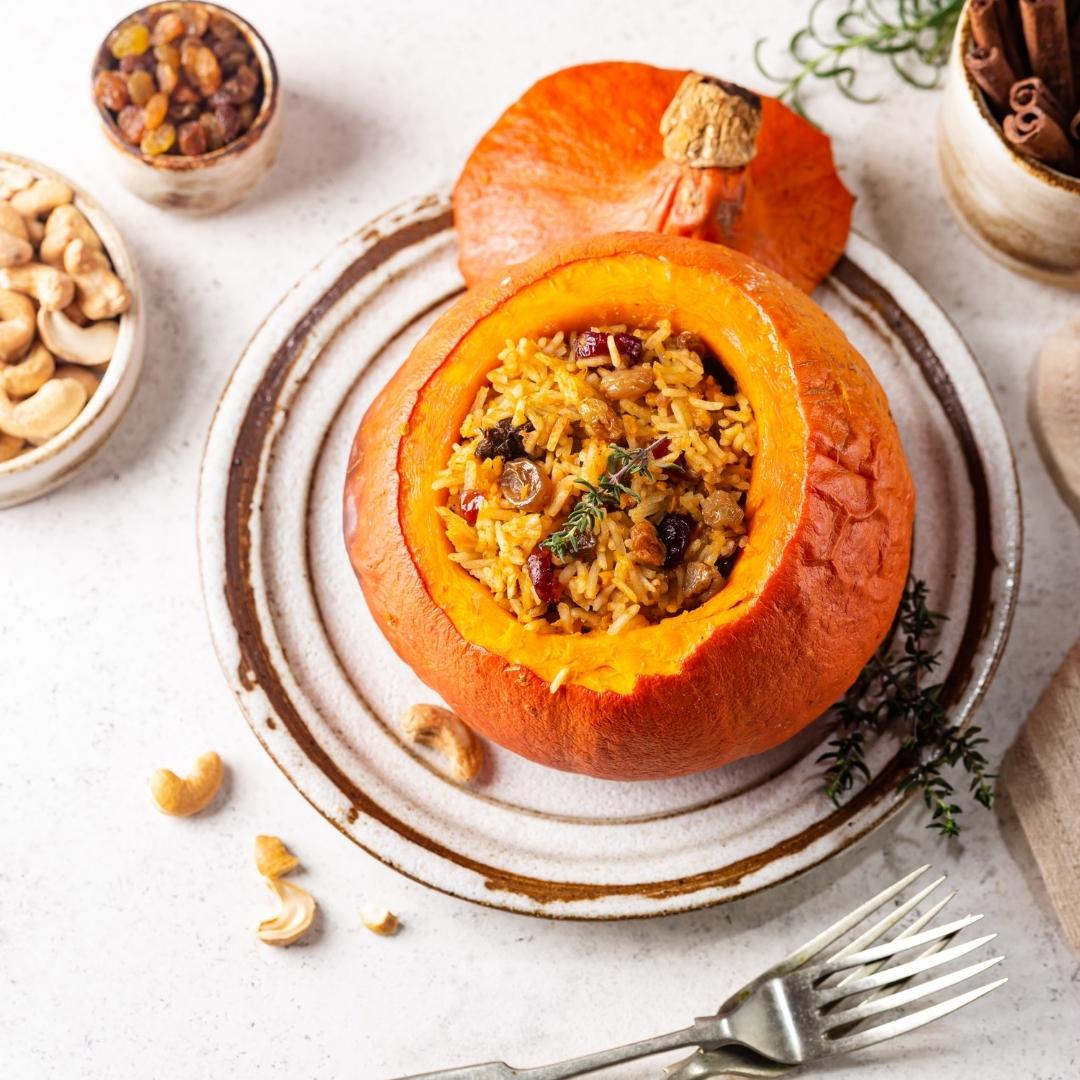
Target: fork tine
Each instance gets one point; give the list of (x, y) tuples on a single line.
[(882, 926), (904, 1024), (888, 1002), (901, 971), (891, 948), (823, 940)]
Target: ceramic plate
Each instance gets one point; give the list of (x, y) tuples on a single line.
[(322, 690)]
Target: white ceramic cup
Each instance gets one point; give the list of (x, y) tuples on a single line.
[(1021, 212)]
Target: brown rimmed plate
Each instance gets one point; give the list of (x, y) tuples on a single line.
[(322, 690)]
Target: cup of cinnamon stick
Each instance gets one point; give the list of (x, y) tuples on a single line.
[(1009, 133)]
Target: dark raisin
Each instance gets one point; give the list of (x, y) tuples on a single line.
[(503, 440), (541, 569), (469, 505), (228, 119), (675, 531), (593, 343), (725, 564), (141, 62)]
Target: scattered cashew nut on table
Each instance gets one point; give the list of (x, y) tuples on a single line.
[(379, 920), (439, 728), (273, 858), (188, 795), (294, 919)]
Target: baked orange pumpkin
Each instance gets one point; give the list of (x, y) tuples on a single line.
[(828, 514), (614, 146)]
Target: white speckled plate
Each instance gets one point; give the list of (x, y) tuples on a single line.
[(322, 690)]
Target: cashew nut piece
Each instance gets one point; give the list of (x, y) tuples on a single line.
[(379, 920), (14, 178), (431, 725), (51, 288), (64, 224), (89, 378), (16, 324), (294, 919), (10, 446), (101, 293), (44, 414), (184, 797), (41, 197), (273, 858), (90, 345), (29, 375)]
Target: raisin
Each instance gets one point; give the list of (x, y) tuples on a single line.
[(168, 54), (541, 569), (469, 504), (185, 93), (593, 343), (223, 29), (626, 383), (503, 440), (721, 508), (247, 114), (168, 28), (229, 121), (182, 111), (701, 578), (191, 139), (140, 87), (167, 78), (158, 141), (724, 565), (524, 485), (110, 88), (675, 531), (155, 110), (196, 19), (201, 66), (215, 140), (131, 39), (237, 89), (132, 123), (645, 545), (601, 420)]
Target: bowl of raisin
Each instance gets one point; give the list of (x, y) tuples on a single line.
[(188, 98)]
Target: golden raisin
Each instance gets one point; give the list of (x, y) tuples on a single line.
[(196, 19), (600, 420), (168, 54), (191, 139), (140, 87), (626, 383), (131, 39), (132, 123), (222, 28), (645, 545), (720, 509), (158, 141), (202, 68), (167, 78), (155, 110), (247, 114), (215, 140), (110, 88), (168, 28)]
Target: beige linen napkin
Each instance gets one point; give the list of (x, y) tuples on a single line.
[(1041, 773)]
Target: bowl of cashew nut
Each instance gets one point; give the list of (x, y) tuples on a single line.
[(71, 331)]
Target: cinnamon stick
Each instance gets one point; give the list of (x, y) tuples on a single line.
[(990, 70), (1033, 91), (1046, 34), (993, 25), (1034, 133)]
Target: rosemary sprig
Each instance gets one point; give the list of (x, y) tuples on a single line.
[(589, 510), (889, 694), (914, 35)]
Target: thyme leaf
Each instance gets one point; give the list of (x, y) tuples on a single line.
[(891, 694), (913, 34)]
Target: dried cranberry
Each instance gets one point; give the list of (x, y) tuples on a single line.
[(541, 567), (675, 531), (592, 343), (661, 448), (469, 504), (503, 440)]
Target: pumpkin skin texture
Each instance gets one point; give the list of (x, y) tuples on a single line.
[(581, 154), (829, 513)]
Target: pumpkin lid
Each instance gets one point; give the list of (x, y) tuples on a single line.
[(615, 146)]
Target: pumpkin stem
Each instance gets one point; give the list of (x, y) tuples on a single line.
[(711, 123)]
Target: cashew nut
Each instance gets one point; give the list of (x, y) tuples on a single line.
[(379, 920), (90, 345), (51, 288), (24, 378), (15, 245), (11, 221), (9, 446), (431, 725), (184, 797), (14, 178), (16, 324), (35, 230), (41, 197), (89, 378), (75, 314), (101, 293), (294, 919), (64, 224), (273, 858), (44, 414)]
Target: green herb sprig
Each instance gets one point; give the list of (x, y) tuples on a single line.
[(890, 695), (914, 35), (589, 510)]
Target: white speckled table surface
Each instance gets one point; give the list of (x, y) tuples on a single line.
[(126, 944)]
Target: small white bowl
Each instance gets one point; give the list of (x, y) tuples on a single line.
[(1021, 212), (45, 467)]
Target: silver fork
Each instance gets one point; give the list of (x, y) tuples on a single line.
[(795, 1012)]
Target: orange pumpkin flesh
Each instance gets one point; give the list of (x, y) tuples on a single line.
[(581, 154), (829, 511)]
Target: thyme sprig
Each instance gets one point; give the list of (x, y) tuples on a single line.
[(589, 510), (890, 695), (914, 35)]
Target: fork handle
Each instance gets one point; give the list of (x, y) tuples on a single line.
[(580, 1066)]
